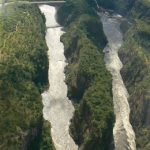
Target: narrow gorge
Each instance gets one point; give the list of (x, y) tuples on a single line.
[(58, 109), (74, 75), (124, 136)]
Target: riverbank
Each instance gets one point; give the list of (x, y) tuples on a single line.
[(124, 136), (89, 83), (23, 76), (136, 72)]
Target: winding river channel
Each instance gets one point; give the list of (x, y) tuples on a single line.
[(58, 109), (124, 137)]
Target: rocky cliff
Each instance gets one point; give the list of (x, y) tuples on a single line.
[(135, 55)]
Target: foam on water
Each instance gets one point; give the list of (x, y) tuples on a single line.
[(58, 109), (124, 136)]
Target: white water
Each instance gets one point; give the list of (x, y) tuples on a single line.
[(124, 137), (58, 109)]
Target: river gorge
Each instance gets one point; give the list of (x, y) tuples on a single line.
[(58, 109), (124, 136), (74, 75)]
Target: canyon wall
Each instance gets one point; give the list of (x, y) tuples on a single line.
[(23, 76), (135, 54), (89, 83)]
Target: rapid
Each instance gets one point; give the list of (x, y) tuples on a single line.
[(124, 136), (58, 109)]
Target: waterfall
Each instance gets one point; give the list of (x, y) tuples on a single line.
[(58, 109), (124, 136)]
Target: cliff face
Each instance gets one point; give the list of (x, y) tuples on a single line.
[(89, 83), (135, 55), (23, 75)]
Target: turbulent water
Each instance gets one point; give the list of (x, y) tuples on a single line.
[(58, 109), (124, 136)]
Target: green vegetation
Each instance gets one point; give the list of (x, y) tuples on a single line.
[(23, 75), (89, 83), (121, 6), (24, 65), (135, 54), (46, 141)]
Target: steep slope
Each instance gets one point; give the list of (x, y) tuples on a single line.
[(135, 55), (88, 80), (23, 75), (136, 58)]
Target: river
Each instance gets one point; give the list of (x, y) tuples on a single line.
[(124, 136), (58, 109)]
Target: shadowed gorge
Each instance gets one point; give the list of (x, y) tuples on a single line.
[(75, 75), (89, 83), (124, 137)]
